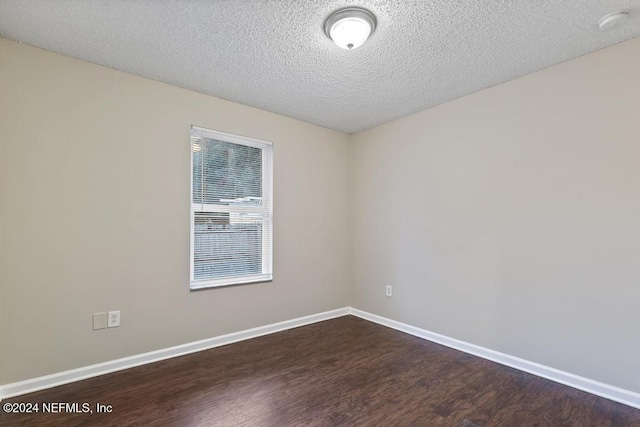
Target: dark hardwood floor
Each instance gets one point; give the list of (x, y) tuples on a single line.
[(345, 371)]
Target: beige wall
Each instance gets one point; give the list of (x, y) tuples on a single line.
[(94, 215), (510, 218)]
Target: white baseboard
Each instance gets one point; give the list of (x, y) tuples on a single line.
[(616, 394), (48, 381)]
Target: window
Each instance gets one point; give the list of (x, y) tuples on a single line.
[(231, 206)]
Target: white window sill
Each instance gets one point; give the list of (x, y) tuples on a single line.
[(218, 283)]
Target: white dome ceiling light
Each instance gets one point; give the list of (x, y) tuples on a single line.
[(349, 28), (612, 20)]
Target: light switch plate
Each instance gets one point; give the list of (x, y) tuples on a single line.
[(99, 320)]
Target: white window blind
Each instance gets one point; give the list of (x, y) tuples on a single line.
[(231, 209)]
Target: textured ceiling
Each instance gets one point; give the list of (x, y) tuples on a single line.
[(274, 55)]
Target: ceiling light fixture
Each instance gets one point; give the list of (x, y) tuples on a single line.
[(349, 28), (612, 19)]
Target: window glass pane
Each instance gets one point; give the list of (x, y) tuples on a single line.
[(227, 244), (226, 173)]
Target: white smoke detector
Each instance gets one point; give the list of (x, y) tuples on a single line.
[(612, 20)]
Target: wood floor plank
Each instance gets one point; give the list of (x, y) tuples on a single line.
[(344, 371)]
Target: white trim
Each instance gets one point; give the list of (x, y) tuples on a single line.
[(53, 380), (191, 212), (230, 281), (267, 202), (207, 207), (201, 132), (607, 391)]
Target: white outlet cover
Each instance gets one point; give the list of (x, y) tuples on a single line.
[(113, 319)]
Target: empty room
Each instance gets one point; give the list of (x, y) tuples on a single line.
[(319, 213)]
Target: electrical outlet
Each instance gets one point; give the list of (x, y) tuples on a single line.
[(388, 291), (114, 319), (99, 320)]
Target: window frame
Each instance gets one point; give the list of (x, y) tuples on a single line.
[(266, 210)]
